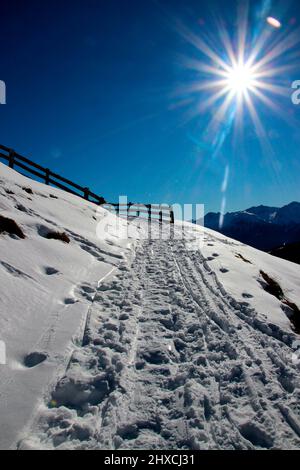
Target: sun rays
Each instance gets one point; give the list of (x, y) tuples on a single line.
[(238, 74), (237, 79)]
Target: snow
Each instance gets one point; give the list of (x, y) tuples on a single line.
[(222, 253), (126, 343), (46, 289)]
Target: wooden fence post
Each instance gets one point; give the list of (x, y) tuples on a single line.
[(148, 206), (172, 221), (149, 212), (11, 158), (128, 209), (86, 193), (47, 177)]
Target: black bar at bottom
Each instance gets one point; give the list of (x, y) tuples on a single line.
[(185, 459)]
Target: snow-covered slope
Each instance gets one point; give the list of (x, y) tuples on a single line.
[(46, 288), (148, 344)]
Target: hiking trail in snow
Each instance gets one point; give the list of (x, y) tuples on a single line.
[(169, 360)]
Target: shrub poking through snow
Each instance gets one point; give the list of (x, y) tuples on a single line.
[(11, 227), (238, 255), (272, 286), (58, 236), (295, 316)]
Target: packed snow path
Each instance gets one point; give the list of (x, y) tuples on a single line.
[(171, 361)]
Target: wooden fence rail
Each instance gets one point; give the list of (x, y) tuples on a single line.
[(15, 160), (162, 213)]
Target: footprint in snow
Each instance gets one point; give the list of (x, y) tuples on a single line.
[(34, 359), (87, 292), (247, 296), (22, 208), (123, 317), (224, 270), (70, 301), (87, 289), (50, 271)]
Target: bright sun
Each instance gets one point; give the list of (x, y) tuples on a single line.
[(240, 78), (236, 76)]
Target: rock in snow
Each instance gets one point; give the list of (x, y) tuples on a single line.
[(117, 343)]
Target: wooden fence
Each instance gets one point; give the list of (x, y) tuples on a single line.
[(162, 213), (15, 160)]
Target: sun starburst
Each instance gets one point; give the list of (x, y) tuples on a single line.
[(240, 78), (238, 74)]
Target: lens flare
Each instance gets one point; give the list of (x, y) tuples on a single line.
[(273, 22)]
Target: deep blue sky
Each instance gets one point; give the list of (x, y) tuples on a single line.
[(92, 94)]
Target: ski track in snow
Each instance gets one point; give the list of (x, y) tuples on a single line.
[(169, 360)]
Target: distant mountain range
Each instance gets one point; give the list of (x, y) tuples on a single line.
[(263, 227)]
